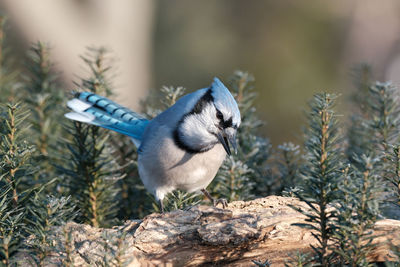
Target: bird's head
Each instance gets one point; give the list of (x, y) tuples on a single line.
[(214, 119)]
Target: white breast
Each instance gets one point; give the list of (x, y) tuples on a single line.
[(165, 167)]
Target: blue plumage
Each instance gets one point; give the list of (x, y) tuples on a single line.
[(224, 101), (100, 111), (181, 148)]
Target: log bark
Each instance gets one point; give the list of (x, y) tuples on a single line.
[(261, 229)]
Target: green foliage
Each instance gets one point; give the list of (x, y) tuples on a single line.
[(68, 260), (321, 173), (21, 204), (393, 173), (343, 191), (90, 176), (358, 211), (116, 247), (359, 132), (91, 171), (288, 164), (131, 187), (8, 73), (178, 200), (15, 152), (44, 213), (375, 129), (99, 65), (11, 227), (43, 97), (299, 260), (233, 180), (385, 112)]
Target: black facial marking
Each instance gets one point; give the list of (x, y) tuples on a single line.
[(202, 102), (179, 143), (219, 115), (222, 123), (226, 124), (206, 99)]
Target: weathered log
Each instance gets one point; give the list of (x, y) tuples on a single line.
[(261, 229)]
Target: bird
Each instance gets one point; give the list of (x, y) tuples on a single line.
[(181, 148)]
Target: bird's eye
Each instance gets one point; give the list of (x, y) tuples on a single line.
[(219, 115)]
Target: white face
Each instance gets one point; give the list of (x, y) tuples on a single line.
[(213, 119), (199, 131)]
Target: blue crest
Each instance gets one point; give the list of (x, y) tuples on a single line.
[(224, 101)]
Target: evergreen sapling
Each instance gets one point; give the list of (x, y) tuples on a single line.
[(43, 97), (91, 172), (8, 73), (15, 156), (359, 130), (44, 214), (357, 212), (321, 174), (288, 164)]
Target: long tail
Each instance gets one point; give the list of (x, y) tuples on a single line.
[(94, 109)]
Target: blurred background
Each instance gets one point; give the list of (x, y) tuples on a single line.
[(293, 48)]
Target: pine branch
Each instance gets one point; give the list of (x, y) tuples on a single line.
[(299, 260), (43, 96), (44, 213), (15, 170), (15, 153), (385, 115), (11, 227), (321, 173), (92, 171), (358, 211), (288, 166)]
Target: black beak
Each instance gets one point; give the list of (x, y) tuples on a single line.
[(225, 139), (232, 140)]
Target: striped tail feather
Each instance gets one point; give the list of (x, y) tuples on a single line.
[(97, 110)]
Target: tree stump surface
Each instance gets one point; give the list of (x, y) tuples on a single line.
[(261, 229)]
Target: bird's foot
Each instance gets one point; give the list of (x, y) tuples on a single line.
[(161, 206), (215, 202), (221, 201)]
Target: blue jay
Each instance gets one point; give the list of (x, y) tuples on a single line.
[(181, 148)]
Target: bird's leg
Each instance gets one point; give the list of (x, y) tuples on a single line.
[(215, 201), (161, 206)]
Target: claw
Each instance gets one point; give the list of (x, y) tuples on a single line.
[(161, 206), (222, 201)]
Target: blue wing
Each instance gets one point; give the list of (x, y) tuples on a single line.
[(97, 110)]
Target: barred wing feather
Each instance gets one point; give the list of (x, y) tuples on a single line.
[(97, 110)]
